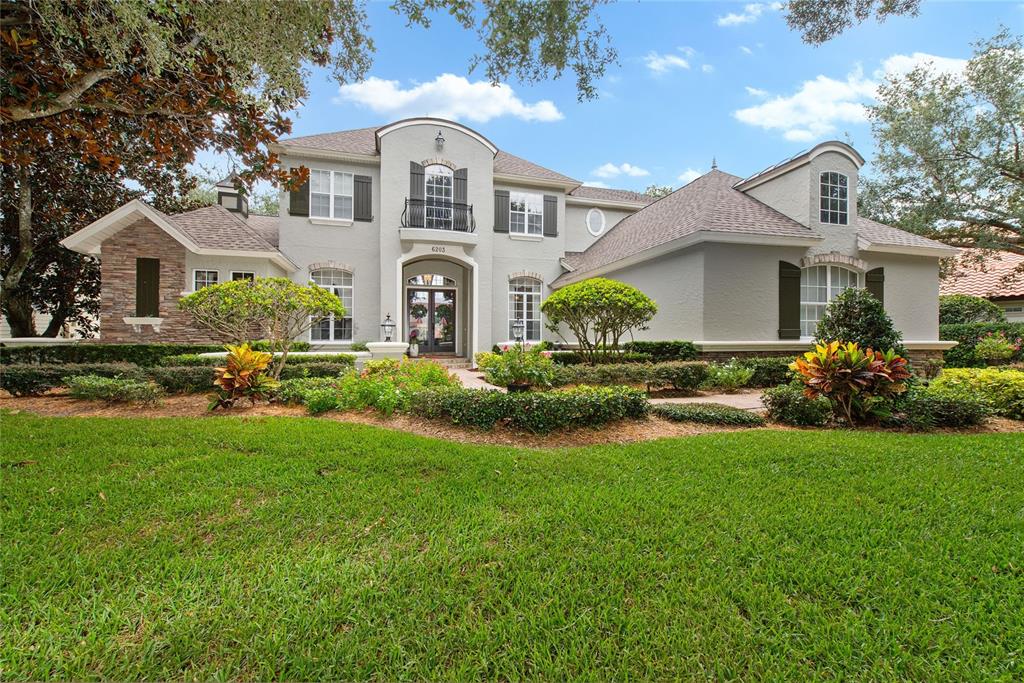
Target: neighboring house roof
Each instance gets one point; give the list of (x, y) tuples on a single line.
[(708, 204), (874, 236), (363, 141), (993, 276), (214, 227), (608, 194), (266, 227)]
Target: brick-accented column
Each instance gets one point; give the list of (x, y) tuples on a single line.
[(143, 239)]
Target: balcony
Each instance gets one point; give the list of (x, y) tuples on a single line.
[(422, 214)]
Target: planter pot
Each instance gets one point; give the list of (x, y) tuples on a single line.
[(518, 388), (414, 350)]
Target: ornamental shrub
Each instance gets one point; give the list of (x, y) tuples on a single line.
[(960, 309), (686, 376), (321, 400), (855, 315), (30, 380), (924, 409), (661, 351), (995, 347), (1001, 389), (389, 385), (144, 355), (788, 404), (296, 390), (194, 359), (575, 358), (598, 312), (768, 371), (708, 413), (728, 377), (114, 389), (967, 336), (184, 379), (520, 366), (244, 375)]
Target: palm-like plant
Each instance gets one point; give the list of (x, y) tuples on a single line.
[(243, 376)]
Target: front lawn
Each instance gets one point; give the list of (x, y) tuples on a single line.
[(297, 548)]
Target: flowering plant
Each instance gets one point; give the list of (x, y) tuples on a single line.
[(997, 347), (517, 365)]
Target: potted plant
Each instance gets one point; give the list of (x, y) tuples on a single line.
[(414, 344), (518, 369)]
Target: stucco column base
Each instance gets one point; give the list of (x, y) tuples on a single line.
[(379, 350)]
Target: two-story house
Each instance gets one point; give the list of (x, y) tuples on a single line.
[(429, 222)]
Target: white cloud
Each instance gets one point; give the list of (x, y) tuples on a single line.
[(821, 105), (596, 183), (447, 96), (751, 13), (687, 50), (689, 175), (661, 64), (746, 50), (611, 170), (707, 68)]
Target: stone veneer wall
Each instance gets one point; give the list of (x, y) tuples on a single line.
[(143, 239)]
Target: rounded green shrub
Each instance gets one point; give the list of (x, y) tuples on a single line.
[(961, 309), (788, 404), (855, 315)]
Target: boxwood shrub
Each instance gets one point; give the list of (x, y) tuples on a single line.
[(145, 355), (23, 379), (660, 351), (682, 376), (1001, 389), (114, 389), (769, 371), (708, 413), (574, 358), (923, 409), (184, 379), (538, 412), (788, 405), (194, 359), (968, 334)]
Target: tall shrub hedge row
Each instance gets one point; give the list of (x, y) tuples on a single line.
[(967, 334), (146, 355)]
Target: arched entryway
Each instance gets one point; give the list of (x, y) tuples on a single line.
[(436, 296)]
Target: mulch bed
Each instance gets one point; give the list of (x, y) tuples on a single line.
[(59, 404)]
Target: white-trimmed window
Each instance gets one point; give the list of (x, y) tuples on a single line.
[(524, 304), (818, 286), (834, 198), (595, 221), (330, 195), (243, 275), (332, 329), (438, 194), (204, 278), (526, 213)]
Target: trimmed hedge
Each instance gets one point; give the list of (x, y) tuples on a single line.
[(144, 355), (114, 389), (193, 359), (788, 405), (184, 379), (962, 355), (574, 358), (682, 376), (538, 412), (708, 413), (923, 410), (25, 379), (1001, 389), (769, 371), (661, 351)]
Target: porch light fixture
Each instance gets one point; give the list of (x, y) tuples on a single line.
[(518, 328), (439, 141), (389, 328)]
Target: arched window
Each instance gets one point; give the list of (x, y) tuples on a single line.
[(595, 221), (818, 286), (834, 198), (438, 195), (524, 304), (332, 329), (428, 280)]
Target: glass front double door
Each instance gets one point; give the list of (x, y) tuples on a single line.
[(432, 319)]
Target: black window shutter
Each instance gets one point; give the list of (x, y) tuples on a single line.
[(501, 200), (415, 180), (789, 301), (298, 200), (550, 216), (363, 199), (461, 192), (875, 283), (147, 287)]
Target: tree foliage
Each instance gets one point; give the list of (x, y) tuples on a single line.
[(959, 309), (819, 21), (598, 312), (275, 309), (855, 315), (659, 191), (950, 157)]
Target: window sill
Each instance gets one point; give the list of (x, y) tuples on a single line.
[(331, 221), (137, 323), (526, 238)]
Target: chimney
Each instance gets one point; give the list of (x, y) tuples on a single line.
[(229, 197)]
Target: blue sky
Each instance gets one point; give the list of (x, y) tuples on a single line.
[(695, 80)]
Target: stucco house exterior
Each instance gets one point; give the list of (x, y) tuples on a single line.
[(429, 222)]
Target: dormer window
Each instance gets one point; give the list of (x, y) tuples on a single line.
[(834, 198)]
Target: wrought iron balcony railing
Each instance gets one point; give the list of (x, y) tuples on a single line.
[(438, 215)]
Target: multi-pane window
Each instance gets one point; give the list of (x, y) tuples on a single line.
[(526, 213), (818, 286), (330, 195), (243, 275), (438, 196), (834, 198), (524, 304), (339, 282), (204, 278)]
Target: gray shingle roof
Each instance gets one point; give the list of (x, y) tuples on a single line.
[(611, 195), (266, 227), (879, 233), (214, 227), (707, 203), (512, 165)]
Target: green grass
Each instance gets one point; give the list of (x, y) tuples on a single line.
[(308, 549)]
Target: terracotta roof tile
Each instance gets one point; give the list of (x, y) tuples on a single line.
[(999, 275)]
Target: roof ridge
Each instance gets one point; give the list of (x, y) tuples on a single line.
[(245, 226)]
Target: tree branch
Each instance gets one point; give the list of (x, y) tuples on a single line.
[(66, 100)]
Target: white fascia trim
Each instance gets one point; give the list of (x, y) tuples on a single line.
[(688, 241), (830, 146), (274, 256), (424, 121), (935, 252), (531, 181), (565, 264), (315, 153), (604, 203), (85, 240)]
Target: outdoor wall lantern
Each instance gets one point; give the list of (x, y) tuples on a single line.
[(518, 328), (389, 327), (439, 141)]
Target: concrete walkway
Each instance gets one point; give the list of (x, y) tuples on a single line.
[(472, 379)]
